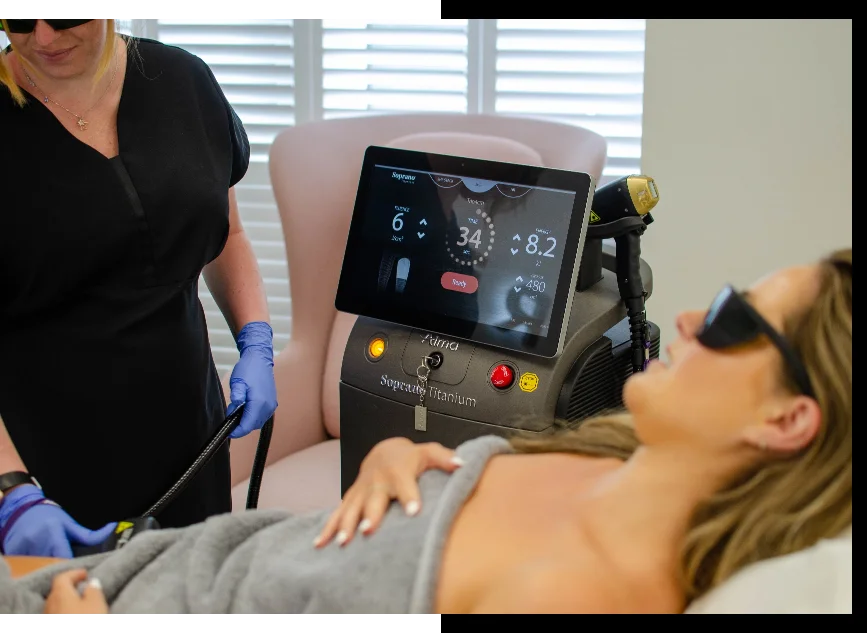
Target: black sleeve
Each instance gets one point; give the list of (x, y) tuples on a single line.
[(240, 151)]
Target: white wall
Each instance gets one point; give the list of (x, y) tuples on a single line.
[(748, 131)]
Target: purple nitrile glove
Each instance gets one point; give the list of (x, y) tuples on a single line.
[(252, 382), (31, 525)]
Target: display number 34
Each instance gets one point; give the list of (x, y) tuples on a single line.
[(475, 240)]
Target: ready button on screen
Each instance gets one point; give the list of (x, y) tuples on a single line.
[(459, 282)]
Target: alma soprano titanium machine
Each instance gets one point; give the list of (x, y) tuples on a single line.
[(487, 302)]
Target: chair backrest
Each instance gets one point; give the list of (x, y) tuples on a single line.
[(314, 172)]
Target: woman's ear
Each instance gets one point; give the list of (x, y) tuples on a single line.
[(789, 427)]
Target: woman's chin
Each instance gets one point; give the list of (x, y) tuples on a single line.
[(654, 369), (642, 385), (655, 364)]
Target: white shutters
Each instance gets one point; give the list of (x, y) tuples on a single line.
[(586, 72), (124, 27), (381, 67)]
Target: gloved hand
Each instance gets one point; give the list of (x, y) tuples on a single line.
[(31, 525), (252, 381)]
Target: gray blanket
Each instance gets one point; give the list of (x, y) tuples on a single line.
[(263, 561)]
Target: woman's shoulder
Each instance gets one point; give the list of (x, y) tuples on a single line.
[(155, 58), (481, 449), (154, 49)]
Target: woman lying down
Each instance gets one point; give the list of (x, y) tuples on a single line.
[(737, 450)]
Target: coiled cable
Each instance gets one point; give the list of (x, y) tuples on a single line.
[(633, 295)]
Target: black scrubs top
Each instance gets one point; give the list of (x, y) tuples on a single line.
[(107, 383)]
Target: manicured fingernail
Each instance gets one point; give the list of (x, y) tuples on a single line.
[(341, 537), (412, 508), (364, 526), (94, 582), (457, 461), (317, 541)]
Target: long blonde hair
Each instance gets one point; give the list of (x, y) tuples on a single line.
[(784, 505), (8, 80)]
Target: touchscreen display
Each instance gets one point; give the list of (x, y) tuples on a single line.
[(438, 246)]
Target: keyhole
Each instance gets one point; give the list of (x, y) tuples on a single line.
[(435, 360)]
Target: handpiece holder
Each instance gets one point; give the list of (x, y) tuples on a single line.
[(626, 232), (590, 271)]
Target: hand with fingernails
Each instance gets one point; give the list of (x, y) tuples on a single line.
[(389, 471), (65, 596)]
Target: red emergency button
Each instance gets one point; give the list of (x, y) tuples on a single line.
[(502, 377)]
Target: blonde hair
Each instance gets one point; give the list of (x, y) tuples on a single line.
[(8, 80), (783, 505)]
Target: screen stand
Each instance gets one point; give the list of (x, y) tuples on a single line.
[(590, 269)]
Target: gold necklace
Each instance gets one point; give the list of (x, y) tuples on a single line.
[(82, 123)]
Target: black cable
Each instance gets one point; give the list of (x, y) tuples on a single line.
[(627, 232), (208, 452), (259, 464), (633, 295), (148, 522)]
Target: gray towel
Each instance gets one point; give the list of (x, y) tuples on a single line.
[(263, 561)]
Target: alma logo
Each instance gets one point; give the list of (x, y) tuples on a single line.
[(436, 341), (403, 177)]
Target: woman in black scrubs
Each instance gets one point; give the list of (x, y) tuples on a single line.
[(115, 195)]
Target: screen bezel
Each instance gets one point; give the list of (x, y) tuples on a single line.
[(348, 301)]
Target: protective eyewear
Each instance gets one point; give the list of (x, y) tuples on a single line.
[(27, 26), (731, 321)]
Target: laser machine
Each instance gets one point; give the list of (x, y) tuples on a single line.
[(487, 301)]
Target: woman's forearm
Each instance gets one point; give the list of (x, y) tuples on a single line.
[(234, 278), (10, 460)]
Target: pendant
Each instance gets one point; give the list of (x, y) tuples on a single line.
[(82, 124)]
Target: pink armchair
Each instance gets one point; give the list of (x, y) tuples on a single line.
[(314, 173)]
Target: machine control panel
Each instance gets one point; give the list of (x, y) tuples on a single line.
[(465, 379)]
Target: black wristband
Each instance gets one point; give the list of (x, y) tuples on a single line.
[(16, 478)]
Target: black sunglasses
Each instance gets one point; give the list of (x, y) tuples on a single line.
[(731, 320), (27, 26)]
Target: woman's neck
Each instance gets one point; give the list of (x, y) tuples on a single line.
[(640, 512)]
